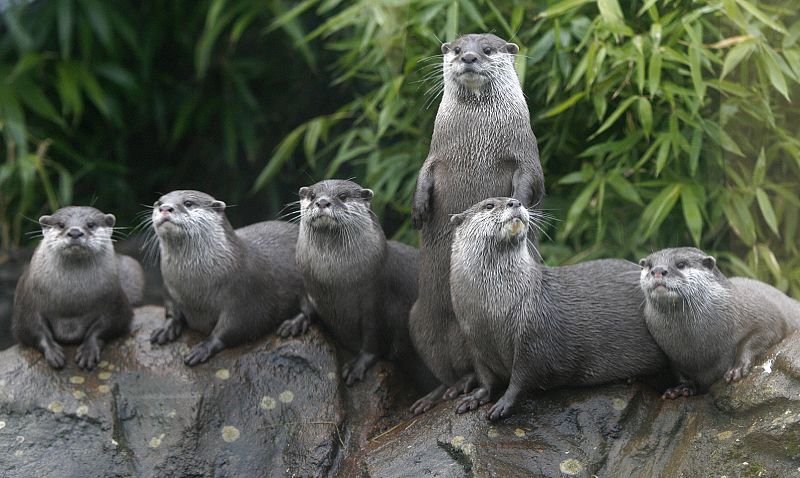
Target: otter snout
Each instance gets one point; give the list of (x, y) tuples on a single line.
[(469, 57), (323, 203), (658, 272), (75, 233)]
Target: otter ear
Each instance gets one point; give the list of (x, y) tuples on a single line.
[(367, 194), (642, 262), (512, 48), (46, 221), (218, 206), (709, 262), (303, 191), (446, 48), (457, 219), (110, 220)]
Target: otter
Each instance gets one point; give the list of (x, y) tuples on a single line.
[(710, 327), (358, 284), (531, 327), (482, 146), (234, 285), (76, 288)]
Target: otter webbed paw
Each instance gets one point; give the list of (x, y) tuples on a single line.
[(463, 385), (171, 331), (203, 351), (739, 371), (428, 401), (88, 354), (54, 355), (501, 409), (355, 369), (472, 401), (420, 213), (680, 390), (294, 327)]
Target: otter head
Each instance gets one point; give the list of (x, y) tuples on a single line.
[(475, 60), (670, 276), (494, 220), (187, 213), (78, 231), (335, 204)]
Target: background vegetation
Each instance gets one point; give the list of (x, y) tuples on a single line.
[(660, 123)]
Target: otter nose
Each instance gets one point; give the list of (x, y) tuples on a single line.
[(514, 203), (658, 272), (166, 208), (323, 203), (469, 57), (75, 233)]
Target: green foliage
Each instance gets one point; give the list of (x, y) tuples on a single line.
[(660, 123)]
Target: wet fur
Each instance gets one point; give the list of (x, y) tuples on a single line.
[(360, 286), (710, 325), (482, 146), (531, 327), (234, 285), (75, 296)]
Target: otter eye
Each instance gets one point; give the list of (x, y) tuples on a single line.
[(91, 225), (188, 203), (343, 196), (311, 196), (487, 50), (61, 225), (488, 206), (457, 50), (681, 265)]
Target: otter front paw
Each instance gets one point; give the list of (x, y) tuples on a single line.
[(501, 409), (463, 385), (88, 355), (738, 372), (54, 355), (428, 401), (355, 369), (202, 352), (473, 400), (421, 210), (171, 331), (681, 390), (294, 327)]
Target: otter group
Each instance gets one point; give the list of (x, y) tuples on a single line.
[(474, 313)]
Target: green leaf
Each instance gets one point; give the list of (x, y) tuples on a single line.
[(282, 153), (662, 156), (773, 71), (766, 210), (563, 106), (579, 206), (645, 115), (65, 26), (624, 188), (735, 56), (761, 16), (694, 150), (691, 213), (451, 21), (611, 13), (696, 71), (614, 116), (760, 169), (659, 208), (654, 72), (562, 8), (739, 217)]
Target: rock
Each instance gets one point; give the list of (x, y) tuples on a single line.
[(278, 408)]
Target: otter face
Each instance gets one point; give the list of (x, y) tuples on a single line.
[(77, 231), (472, 61), (335, 203), (671, 275), (185, 212), (501, 220)]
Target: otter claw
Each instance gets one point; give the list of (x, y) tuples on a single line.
[(472, 401), (169, 333), (355, 369), (294, 327), (501, 409), (54, 355), (88, 355), (464, 385), (682, 390), (737, 373)]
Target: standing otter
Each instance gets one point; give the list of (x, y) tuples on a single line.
[(710, 326), (360, 285), (235, 285), (482, 146), (532, 327), (76, 289)]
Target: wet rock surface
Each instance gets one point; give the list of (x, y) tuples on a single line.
[(278, 407)]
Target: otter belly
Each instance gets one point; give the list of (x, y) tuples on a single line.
[(70, 330)]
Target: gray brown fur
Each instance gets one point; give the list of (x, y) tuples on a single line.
[(711, 327), (531, 327), (76, 289), (482, 146), (235, 285), (359, 285)]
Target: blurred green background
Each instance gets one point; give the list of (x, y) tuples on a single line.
[(660, 123)]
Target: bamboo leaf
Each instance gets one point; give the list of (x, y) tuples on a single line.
[(766, 210), (691, 213), (614, 116), (659, 208)]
